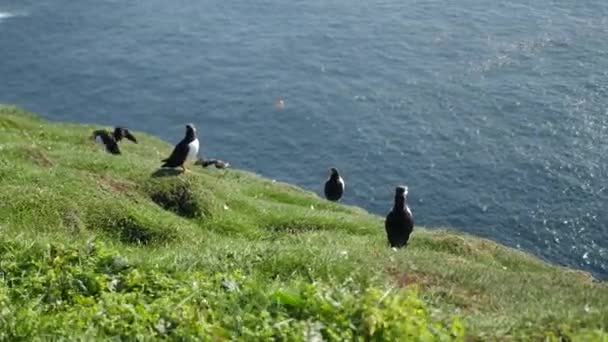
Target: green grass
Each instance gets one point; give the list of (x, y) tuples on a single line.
[(97, 246)]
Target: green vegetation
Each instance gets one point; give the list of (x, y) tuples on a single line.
[(101, 246)]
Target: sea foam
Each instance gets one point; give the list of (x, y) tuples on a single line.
[(6, 15)]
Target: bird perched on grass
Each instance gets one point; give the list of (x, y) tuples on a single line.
[(219, 164), (187, 148), (334, 186), (110, 140), (399, 222)]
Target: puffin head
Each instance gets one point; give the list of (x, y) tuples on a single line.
[(401, 191), (333, 172), (121, 132), (190, 130)]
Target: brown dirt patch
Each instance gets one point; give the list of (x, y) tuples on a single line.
[(442, 290), (408, 278), (72, 221), (39, 157), (117, 186)]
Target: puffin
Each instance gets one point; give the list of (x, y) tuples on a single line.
[(334, 186), (219, 164), (110, 140), (187, 148), (399, 222)]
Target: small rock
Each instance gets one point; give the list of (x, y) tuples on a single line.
[(230, 285), (313, 333), (119, 263), (162, 326), (113, 285)]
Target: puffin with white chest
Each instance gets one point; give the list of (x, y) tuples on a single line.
[(399, 222), (184, 150), (334, 186)]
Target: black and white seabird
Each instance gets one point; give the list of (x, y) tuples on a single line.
[(110, 140), (399, 222), (334, 187), (187, 148), (219, 164)]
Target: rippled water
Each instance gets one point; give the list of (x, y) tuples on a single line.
[(493, 113)]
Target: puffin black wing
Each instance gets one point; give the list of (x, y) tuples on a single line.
[(334, 187), (399, 225), (333, 190), (399, 222), (178, 156), (108, 140)]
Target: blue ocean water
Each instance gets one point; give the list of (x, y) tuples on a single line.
[(493, 113)]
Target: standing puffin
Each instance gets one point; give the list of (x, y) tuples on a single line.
[(334, 187), (187, 148), (399, 222), (110, 140)]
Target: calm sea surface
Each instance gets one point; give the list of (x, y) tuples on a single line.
[(494, 113)]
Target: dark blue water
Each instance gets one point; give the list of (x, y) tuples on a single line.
[(493, 113)]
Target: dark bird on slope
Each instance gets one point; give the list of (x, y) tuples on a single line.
[(399, 222), (334, 186), (219, 164), (187, 148), (110, 140)]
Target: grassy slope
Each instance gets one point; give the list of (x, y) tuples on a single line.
[(116, 249)]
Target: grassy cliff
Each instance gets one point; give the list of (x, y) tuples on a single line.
[(102, 246)]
